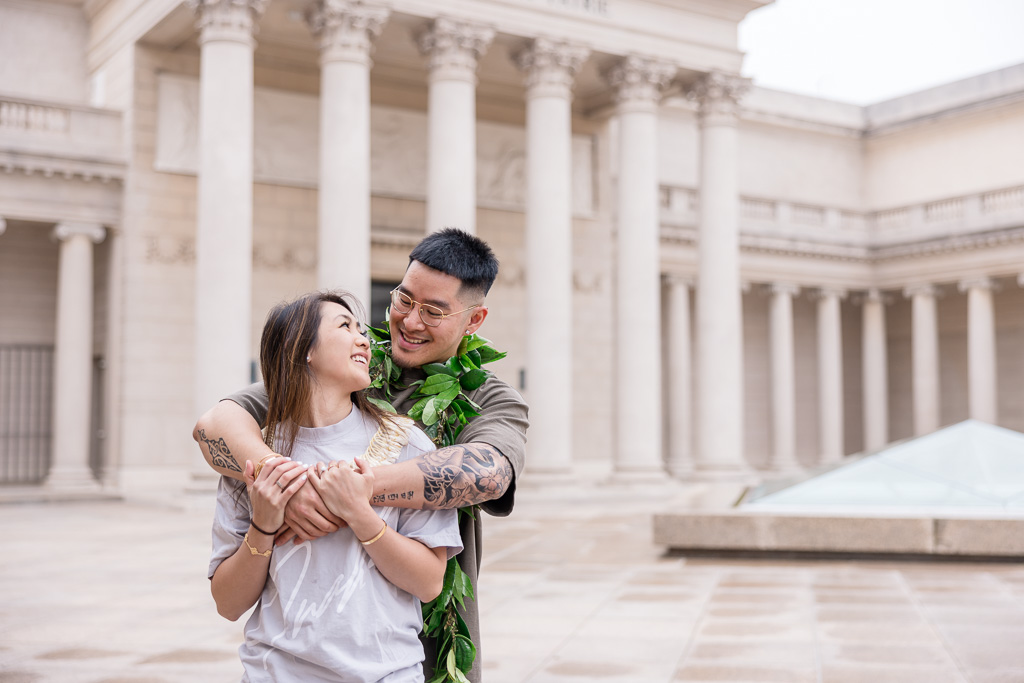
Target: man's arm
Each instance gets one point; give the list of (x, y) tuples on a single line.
[(228, 436), (452, 477)]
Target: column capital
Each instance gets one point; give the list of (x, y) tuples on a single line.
[(639, 81), (830, 293), (872, 295), (985, 283), (677, 280), (229, 20), (786, 288), (922, 289), (94, 232), (454, 47), (551, 66), (718, 96), (346, 29)]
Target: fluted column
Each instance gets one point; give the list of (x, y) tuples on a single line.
[(830, 375), (719, 314), (72, 382), (924, 357), (679, 374), (550, 68), (454, 47), (981, 349), (638, 83), (783, 378), (224, 198), (875, 369), (346, 31)]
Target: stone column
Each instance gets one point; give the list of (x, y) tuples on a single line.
[(924, 357), (224, 197), (830, 375), (981, 349), (346, 32), (638, 83), (719, 313), (876, 368), (783, 378), (454, 47), (72, 381), (550, 68), (679, 373)]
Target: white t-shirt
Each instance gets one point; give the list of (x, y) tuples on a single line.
[(326, 612)]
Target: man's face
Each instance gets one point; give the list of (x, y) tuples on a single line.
[(414, 344)]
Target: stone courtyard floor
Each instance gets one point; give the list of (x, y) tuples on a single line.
[(573, 590)]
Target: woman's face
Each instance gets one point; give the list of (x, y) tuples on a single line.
[(341, 355)]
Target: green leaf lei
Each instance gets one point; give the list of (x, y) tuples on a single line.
[(444, 409)]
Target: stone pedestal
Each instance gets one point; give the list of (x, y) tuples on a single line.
[(924, 357), (875, 369), (72, 396), (719, 314), (638, 84), (454, 47), (783, 378), (550, 68), (346, 33)]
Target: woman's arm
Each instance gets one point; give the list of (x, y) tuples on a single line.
[(238, 581), (405, 562)]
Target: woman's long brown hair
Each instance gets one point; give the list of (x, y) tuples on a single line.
[(289, 335)]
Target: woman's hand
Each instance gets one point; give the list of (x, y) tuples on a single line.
[(345, 491), (279, 479)]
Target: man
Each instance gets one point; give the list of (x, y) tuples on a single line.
[(440, 299)]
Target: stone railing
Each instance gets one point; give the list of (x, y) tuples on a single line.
[(760, 217), (53, 138)]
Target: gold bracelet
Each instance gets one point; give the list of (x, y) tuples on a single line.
[(257, 552), (377, 537), (259, 465)]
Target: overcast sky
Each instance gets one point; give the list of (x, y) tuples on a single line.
[(864, 51)]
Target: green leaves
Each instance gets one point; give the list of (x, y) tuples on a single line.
[(441, 405), (456, 651)]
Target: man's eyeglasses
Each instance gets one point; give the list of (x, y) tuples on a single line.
[(431, 316)]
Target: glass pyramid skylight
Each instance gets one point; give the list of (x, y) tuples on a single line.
[(972, 467)]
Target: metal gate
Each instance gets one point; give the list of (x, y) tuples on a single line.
[(26, 407)]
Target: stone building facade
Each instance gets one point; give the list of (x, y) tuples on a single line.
[(700, 278)]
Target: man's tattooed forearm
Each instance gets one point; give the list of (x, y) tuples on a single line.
[(220, 454), (464, 475), (385, 498)]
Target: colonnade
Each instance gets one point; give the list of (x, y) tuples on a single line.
[(453, 48), (925, 368)]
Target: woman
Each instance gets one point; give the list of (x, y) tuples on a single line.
[(344, 607)]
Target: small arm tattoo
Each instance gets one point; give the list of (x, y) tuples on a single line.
[(385, 498), (220, 454), (464, 475)]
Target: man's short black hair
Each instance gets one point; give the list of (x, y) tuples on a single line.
[(460, 255)]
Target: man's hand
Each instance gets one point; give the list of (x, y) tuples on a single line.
[(306, 517)]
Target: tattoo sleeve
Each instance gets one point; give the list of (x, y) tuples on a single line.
[(220, 454), (463, 475)]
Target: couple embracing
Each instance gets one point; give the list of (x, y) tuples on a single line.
[(338, 518)]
